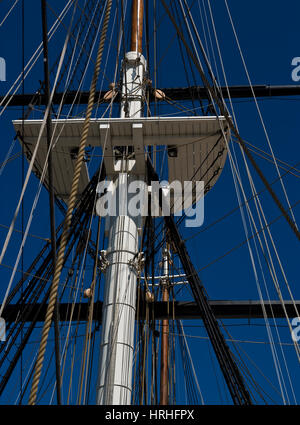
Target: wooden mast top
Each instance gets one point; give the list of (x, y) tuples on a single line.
[(137, 26)]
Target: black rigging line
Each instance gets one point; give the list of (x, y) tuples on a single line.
[(267, 184), (88, 42), (38, 171), (192, 94), (51, 194), (206, 189), (126, 104), (190, 382), (231, 373), (35, 98), (147, 35), (79, 31), (262, 92), (36, 293), (65, 285), (232, 212), (242, 364), (82, 205)]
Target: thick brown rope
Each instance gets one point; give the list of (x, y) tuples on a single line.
[(71, 204)]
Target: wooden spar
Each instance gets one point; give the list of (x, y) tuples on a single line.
[(137, 26), (164, 362)]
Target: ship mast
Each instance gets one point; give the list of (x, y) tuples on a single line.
[(164, 370), (119, 305)]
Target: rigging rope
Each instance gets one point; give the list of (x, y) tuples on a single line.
[(90, 317), (256, 198), (8, 13), (234, 379), (8, 237), (71, 204), (258, 108)]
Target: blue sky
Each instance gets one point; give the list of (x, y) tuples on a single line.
[(269, 36)]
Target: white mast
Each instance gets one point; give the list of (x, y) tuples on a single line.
[(119, 304)]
